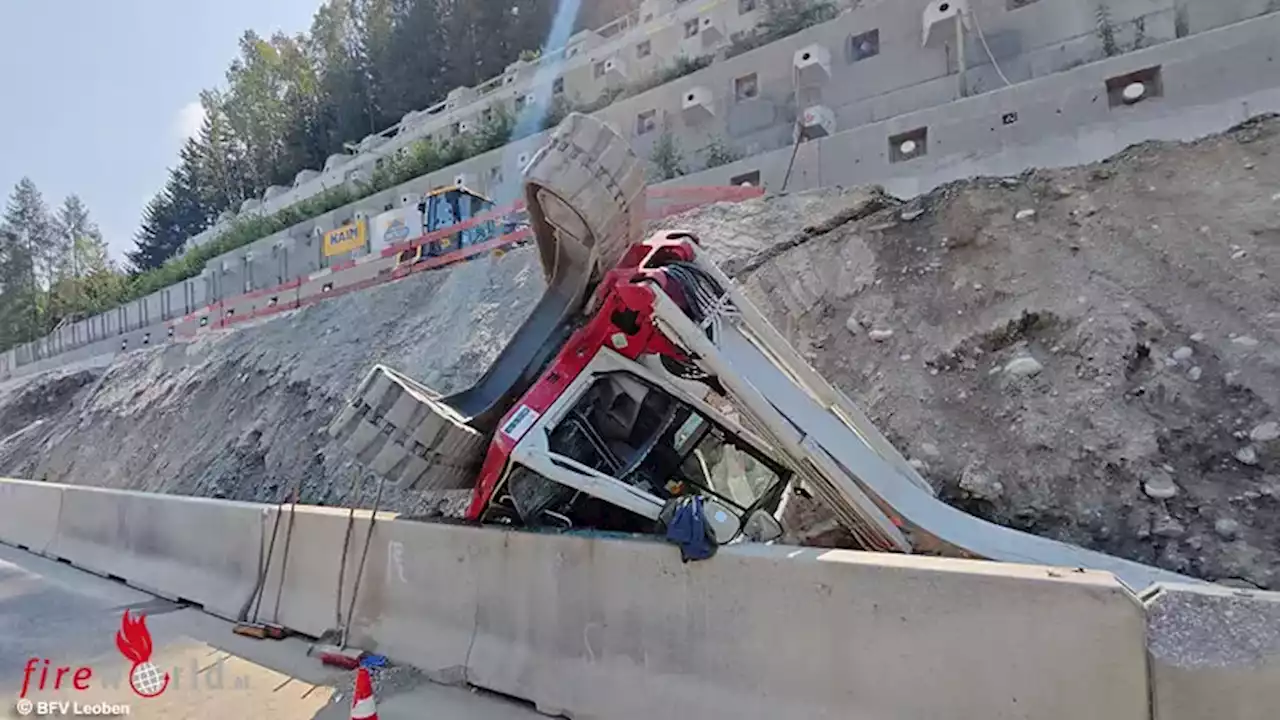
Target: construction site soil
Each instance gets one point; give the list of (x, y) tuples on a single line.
[(1089, 354)]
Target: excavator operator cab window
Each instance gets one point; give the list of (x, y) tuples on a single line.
[(451, 207), (716, 463), (442, 211), (637, 433)]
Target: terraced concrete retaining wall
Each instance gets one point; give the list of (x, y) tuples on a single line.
[(1206, 86), (616, 628)]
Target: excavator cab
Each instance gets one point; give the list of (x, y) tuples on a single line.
[(620, 444), (448, 206)]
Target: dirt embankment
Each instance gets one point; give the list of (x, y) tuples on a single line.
[(1091, 354)]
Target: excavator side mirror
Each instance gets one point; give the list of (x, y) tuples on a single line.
[(762, 527), (723, 521)]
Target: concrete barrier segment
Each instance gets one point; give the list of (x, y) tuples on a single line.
[(193, 549), (1214, 653), (420, 592), (616, 628), (312, 551), (29, 513), (595, 626)]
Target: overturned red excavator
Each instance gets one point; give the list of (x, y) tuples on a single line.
[(642, 375)]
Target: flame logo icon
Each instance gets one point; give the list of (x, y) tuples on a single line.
[(134, 641)]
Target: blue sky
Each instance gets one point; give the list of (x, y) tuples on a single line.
[(99, 94)]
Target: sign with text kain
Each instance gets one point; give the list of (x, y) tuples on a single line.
[(345, 239)]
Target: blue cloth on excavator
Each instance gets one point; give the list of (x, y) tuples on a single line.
[(689, 529)]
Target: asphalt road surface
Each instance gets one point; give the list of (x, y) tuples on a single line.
[(52, 611)]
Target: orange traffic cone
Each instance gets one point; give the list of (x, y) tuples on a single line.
[(362, 706)]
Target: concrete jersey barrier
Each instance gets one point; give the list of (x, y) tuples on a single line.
[(619, 628), (614, 628), (194, 549), (421, 592), (605, 628), (308, 597), (29, 513), (1215, 653)]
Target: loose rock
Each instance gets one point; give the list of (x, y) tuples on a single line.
[(1247, 455), (1183, 353), (1160, 488), (1023, 367), (880, 335), (1245, 341), (1168, 527), (976, 481), (1265, 432), (1025, 214), (1227, 528), (1194, 374)]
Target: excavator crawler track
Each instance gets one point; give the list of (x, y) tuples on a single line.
[(396, 429)]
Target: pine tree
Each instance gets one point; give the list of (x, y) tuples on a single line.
[(334, 46), (216, 159), (86, 282), (81, 236), (161, 235), (417, 63), (27, 246), (183, 209), (28, 216)]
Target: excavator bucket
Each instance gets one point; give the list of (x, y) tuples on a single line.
[(585, 194)]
